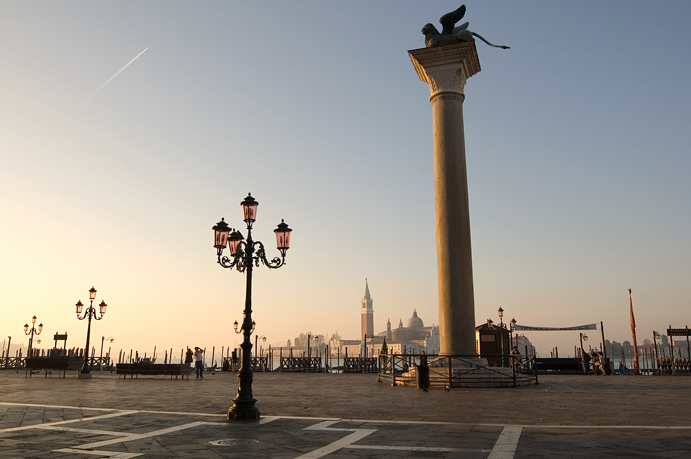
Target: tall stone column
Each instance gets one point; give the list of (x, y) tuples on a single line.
[(446, 69)]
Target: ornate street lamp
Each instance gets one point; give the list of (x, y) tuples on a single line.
[(512, 327), (33, 331), (90, 313), (244, 255)]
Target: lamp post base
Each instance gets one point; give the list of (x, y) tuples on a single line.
[(243, 411), (84, 376)]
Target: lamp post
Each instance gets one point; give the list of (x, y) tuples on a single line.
[(656, 335), (103, 338), (244, 255), (257, 338), (583, 337), (89, 313), (500, 312), (364, 353), (33, 331), (512, 327)]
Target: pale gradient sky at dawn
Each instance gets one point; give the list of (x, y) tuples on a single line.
[(577, 144)]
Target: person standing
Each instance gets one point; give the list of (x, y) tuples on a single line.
[(234, 360), (199, 362), (188, 356)]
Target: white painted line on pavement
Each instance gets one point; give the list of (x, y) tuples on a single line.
[(344, 442), (434, 449), (69, 421), (506, 444), (78, 430), (135, 436), (59, 406), (110, 454), (365, 421)]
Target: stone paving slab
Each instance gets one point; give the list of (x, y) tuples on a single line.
[(313, 415)]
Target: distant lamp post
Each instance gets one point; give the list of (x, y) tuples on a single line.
[(656, 336), (257, 338), (500, 312), (583, 337), (365, 352), (103, 338), (32, 331), (89, 313), (512, 327), (244, 255)]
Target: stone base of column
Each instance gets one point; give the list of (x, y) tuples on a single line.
[(84, 376), (470, 372)]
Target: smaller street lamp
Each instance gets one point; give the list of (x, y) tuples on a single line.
[(257, 338), (512, 327), (91, 314), (656, 335), (583, 337), (32, 331), (103, 338), (500, 312)]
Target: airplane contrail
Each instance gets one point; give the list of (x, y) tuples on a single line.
[(118, 73)]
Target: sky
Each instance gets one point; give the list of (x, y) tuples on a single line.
[(577, 144)]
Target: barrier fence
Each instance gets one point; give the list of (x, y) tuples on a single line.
[(458, 370)]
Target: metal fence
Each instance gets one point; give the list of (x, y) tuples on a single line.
[(301, 364), (459, 370)]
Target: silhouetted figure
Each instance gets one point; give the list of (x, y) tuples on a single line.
[(234, 358), (199, 362)]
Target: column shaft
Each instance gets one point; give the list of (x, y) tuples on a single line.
[(454, 255)]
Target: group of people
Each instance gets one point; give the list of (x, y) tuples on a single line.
[(597, 359), (198, 357)]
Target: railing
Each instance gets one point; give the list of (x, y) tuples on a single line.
[(360, 365), (457, 370), (11, 363), (301, 364), (669, 366), (260, 364)]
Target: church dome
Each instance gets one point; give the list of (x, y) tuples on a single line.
[(415, 322)]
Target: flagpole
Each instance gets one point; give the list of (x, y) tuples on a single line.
[(636, 368)]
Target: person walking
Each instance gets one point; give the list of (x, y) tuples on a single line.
[(199, 362)]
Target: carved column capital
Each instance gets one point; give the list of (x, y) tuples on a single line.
[(446, 68)]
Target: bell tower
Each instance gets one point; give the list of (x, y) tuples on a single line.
[(367, 314)]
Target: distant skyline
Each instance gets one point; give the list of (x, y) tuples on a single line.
[(576, 137)]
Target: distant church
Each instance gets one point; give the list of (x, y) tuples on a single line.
[(411, 339)]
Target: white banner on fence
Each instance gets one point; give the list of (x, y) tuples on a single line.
[(578, 327)]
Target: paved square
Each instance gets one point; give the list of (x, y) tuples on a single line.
[(334, 416)]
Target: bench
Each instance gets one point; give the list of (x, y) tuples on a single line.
[(48, 364), (167, 369)]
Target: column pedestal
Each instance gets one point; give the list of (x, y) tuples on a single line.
[(446, 70)]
